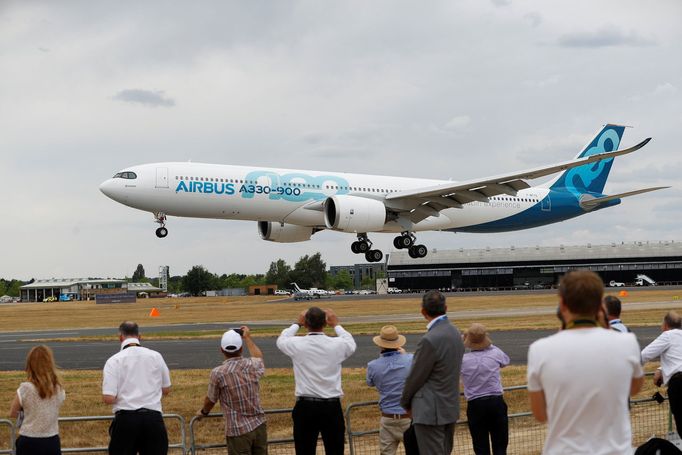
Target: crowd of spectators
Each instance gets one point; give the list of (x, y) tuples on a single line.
[(579, 381)]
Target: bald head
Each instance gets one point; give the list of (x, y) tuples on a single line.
[(672, 320), (129, 329)]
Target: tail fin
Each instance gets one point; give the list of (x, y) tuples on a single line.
[(591, 177)]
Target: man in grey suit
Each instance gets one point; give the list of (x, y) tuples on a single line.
[(431, 390)]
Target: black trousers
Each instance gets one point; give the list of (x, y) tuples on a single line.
[(675, 397), (488, 423), (141, 431), (312, 418), (38, 446)]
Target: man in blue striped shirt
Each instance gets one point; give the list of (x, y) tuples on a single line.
[(387, 374)]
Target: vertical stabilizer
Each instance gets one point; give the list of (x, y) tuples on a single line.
[(591, 177)]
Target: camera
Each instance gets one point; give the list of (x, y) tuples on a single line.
[(239, 331)]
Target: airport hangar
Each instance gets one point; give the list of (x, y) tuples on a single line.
[(534, 267)]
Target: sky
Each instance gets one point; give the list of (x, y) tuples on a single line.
[(440, 89)]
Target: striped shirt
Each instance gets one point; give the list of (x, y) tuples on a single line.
[(235, 384)]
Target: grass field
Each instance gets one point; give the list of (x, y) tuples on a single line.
[(61, 315)]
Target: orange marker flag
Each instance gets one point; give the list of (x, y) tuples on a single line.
[(623, 294), (154, 313)]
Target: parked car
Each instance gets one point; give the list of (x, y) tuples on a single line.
[(282, 292), (394, 291), (50, 299), (616, 284)]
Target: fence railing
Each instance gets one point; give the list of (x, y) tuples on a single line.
[(10, 429), (526, 435)]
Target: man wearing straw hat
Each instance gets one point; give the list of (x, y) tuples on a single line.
[(486, 409), (387, 374)]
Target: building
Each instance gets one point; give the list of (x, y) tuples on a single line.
[(359, 272), (535, 267), (80, 288), (262, 289)]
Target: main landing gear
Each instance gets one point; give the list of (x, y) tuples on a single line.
[(407, 240), (160, 218), (364, 246)]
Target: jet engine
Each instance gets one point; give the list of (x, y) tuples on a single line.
[(284, 233), (354, 214)]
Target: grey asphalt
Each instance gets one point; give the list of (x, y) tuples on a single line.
[(204, 354)]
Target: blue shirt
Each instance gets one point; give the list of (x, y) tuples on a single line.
[(388, 374)]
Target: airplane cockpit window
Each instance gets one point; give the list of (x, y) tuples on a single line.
[(125, 175)]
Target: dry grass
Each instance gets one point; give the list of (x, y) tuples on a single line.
[(234, 309), (189, 387)]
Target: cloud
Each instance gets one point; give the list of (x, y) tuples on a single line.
[(607, 36), (458, 123), (665, 89), (534, 18), (146, 97), (501, 3)]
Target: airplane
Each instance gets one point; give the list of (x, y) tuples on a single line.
[(291, 205)]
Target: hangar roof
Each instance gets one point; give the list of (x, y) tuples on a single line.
[(540, 253), (67, 282)]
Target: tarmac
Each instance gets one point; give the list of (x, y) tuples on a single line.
[(204, 353)]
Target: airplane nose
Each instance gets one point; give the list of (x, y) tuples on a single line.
[(107, 188)]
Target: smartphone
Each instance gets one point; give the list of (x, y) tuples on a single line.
[(239, 331)]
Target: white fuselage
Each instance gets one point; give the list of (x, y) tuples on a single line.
[(285, 195)]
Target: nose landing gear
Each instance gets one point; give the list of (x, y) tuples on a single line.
[(160, 218), (364, 246)]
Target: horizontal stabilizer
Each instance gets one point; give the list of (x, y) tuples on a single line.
[(589, 204)]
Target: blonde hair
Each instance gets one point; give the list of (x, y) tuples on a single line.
[(42, 371)]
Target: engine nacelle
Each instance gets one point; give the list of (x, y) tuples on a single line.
[(354, 214), (284, 233)]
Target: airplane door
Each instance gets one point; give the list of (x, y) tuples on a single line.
[(162, 177), (546, 204)]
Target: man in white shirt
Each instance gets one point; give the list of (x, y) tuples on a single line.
[(579, 379), (668, 346), (135, 380), (317, 362)]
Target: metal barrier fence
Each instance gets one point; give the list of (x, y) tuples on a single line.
[(10, 429), (182, 445)]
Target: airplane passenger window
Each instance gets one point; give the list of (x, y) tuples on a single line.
[(117, 175)]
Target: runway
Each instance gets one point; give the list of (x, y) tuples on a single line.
[(204, 353)]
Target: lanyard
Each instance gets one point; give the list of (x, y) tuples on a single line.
[(581, 323)]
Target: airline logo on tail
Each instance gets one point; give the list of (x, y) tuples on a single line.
[(591, 178)]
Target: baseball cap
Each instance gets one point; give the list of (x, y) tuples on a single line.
[(231, 341)]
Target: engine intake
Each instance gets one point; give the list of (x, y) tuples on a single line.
[(354, 214), (284, 233)]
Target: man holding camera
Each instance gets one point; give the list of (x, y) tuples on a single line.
[(317, 362), (236, 384)]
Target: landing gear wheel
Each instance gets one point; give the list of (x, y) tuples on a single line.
[(354, 247), (363, 247), (396, 243), (417, 251), (161, 232), (405, 241), (374, 255)]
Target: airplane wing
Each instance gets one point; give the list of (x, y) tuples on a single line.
[(589, 204), (429, 201)]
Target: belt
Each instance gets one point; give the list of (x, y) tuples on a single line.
[(395, 416), (135, 411), (487, 397), (317, 399)]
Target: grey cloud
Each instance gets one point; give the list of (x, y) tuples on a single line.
[(607, 36), (500, 3), (146, 97), (534, 18)]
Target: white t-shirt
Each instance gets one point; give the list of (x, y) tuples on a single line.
[(317, 360), (40, 414), (135, 376), (586, 376)]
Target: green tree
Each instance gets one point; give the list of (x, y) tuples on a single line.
[(3, 287), (279, 273), (13, 288), (343, 280), (138, 274), (310, 271), (197, 280)]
